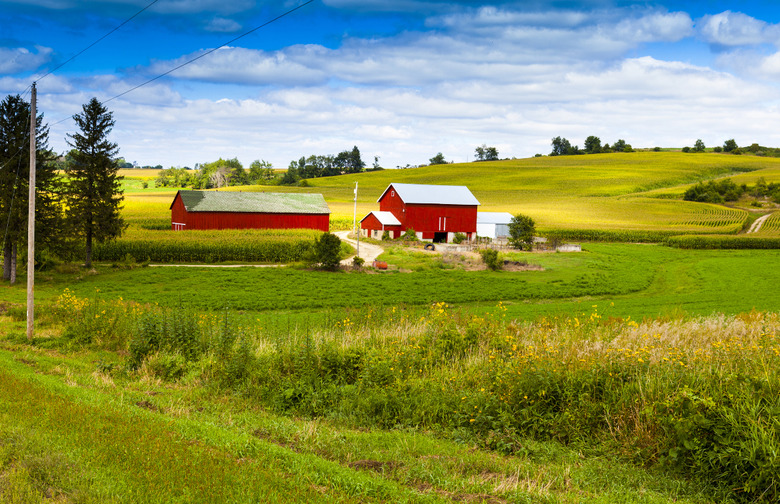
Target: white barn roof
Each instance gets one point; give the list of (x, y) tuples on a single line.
[(384, 218), (425, 194), (494, 218)]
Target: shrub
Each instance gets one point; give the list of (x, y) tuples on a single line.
[(459, 238), (490, 258), (409, 235), (386, 235), (327, 251)]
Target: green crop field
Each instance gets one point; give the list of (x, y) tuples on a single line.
[(600, 192)]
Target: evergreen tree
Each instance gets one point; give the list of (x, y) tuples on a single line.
[(94, 192), (50, 232)]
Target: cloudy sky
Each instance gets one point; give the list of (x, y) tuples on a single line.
[(400, 79)]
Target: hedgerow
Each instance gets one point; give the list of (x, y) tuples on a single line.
[(723, 242)]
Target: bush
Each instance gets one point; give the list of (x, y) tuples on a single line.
[(386, 235), (490, 258), (409, 235), (327, 251), (459, 238)]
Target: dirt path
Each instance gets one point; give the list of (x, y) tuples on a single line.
[(758, 223), (368, 251)]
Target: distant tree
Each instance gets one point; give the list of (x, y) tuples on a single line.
[(560, 146), (376, 166), (485, 153), (754, 148), (699, 146), (619, 146), (592, 145), (729, 145), (94, 184), (686, 149), (717, 148), (522, 229), (291, 176), (260, 171), (438, 159)]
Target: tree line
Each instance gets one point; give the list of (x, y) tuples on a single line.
[(75, 207), (230, 172)]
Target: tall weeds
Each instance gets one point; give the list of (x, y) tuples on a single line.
[(698, 396)]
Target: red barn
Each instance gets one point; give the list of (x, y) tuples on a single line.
[(435, 212), (248, 210)]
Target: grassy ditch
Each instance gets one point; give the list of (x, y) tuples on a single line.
[(694, 397)]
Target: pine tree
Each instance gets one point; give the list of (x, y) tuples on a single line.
[(50, 232), (94, 183)]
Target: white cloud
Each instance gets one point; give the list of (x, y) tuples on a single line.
[(222, 25), (736, 29), (20, 59), (492, 75), (249, 66)]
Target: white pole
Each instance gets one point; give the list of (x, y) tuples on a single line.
[(31, 224)]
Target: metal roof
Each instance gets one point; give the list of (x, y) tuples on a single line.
[(494, 218), (424, 194), (253, 202), (384, 218)]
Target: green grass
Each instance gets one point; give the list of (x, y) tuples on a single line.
[(641, 280), (86, 430)]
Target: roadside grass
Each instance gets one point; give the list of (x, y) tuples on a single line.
[(124, 435)]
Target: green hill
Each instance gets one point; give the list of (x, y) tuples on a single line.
[(605, 192), (640, 191)]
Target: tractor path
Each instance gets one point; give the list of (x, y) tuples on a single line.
[(758, 223)]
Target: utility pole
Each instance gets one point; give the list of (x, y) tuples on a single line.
[(354, 223), (31, 222)]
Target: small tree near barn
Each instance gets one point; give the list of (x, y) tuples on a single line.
[(327, 251), (521, 232)]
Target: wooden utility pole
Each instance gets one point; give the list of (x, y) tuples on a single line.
[(31, 222)]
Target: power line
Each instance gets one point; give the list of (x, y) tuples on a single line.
[(97, 41), (210, 51)]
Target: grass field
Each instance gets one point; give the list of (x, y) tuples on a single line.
[(118, 401), (624, 373)]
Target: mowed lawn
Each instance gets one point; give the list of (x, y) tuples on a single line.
[(609, 191)]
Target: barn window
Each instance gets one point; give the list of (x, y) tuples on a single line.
[(392, 194)]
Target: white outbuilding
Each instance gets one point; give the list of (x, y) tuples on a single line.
[(493, 224)]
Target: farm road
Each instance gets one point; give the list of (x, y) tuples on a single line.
[(758, 223), (368, 251)]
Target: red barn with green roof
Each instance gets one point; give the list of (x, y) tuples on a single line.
[(248, 210)]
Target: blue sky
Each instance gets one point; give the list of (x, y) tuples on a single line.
[(402, 80)]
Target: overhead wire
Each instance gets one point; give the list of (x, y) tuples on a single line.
[(196, 58), (211, 50), (96, 42)]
